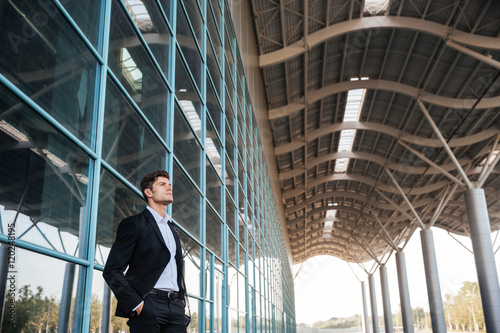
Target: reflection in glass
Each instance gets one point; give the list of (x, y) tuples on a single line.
[(44, 180), (188, 45), (191, 254), (218, 283), (194, 17), (128, 144), (102, 308), (232, 248), (48, 293), (135, 70), (230, 177), (187, 94), (214, 148), (186, 146), (213, 107), (214, 233), (116, 202), (87, 15), (230, 214), (195, 307), (187, 202), (214, 187), (44, 57), (147, 17)]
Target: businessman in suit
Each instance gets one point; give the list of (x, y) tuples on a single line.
[(151, 292)]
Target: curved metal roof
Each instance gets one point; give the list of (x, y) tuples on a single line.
[(440, 58)]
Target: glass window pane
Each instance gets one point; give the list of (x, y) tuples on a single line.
[(188, 46), (87, 14), (148, 18), (214, 188), (213, 148), (241, 175), (187, 94), (213, 69), (213, 107), (241, 230), (61, 78), (229, 113), (166, 6), (186, 146), (128, 144), (44, 180), (102, 300), (187, 202), (135, 70), (194, 18), (230, 214), (116, 202), (40, 294), (232, 248), (218, 310), (214, 232), (191, 253), (230, 146), (230, 183), (229, 85)]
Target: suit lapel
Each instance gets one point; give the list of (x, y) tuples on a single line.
[(151, 220)]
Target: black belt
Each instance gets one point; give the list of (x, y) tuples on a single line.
[(165, 293)]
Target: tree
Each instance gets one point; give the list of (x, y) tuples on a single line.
[(464, 311)]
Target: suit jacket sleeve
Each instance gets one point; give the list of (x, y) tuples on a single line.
[(118, 261)]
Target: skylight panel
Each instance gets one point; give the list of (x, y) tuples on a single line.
[(354, 104), (376, 6)]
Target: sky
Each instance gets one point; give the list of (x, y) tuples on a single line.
[(327, 287)]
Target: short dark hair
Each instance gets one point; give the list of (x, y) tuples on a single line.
[(148, 180)]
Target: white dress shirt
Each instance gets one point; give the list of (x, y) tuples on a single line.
[(168, 278)]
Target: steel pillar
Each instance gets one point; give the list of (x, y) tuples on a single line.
[(106, 309), (404, 293), (67, 291), (432, 279), (373, 303), (480, 232), (365, 308), (386, 300)]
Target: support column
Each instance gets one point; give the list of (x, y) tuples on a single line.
[(386, 300), (365, 309), (432, 279), (106, 309), (67, 291), (373, 303), (480, 232), (404, 294)]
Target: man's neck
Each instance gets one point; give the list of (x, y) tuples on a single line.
[(160, 209)]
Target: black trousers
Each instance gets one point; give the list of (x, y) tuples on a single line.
[(159, 315)]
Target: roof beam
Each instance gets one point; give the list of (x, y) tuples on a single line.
[(378, 22), (388, 130), (455, 103)]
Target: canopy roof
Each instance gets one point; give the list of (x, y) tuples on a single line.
[(347, 178)]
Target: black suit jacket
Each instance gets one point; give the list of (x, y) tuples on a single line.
[(139, 245)]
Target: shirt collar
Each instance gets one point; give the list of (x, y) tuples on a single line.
[(157, 216)]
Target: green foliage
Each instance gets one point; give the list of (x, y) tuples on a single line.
[(464, 311), (335, 322)]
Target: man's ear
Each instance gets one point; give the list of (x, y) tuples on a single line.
[(148, 193)]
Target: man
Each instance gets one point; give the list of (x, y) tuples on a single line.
[(151, 292)]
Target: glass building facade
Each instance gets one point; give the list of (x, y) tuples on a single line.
[(94, 95)]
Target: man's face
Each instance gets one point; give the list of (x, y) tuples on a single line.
[(161, 192)]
